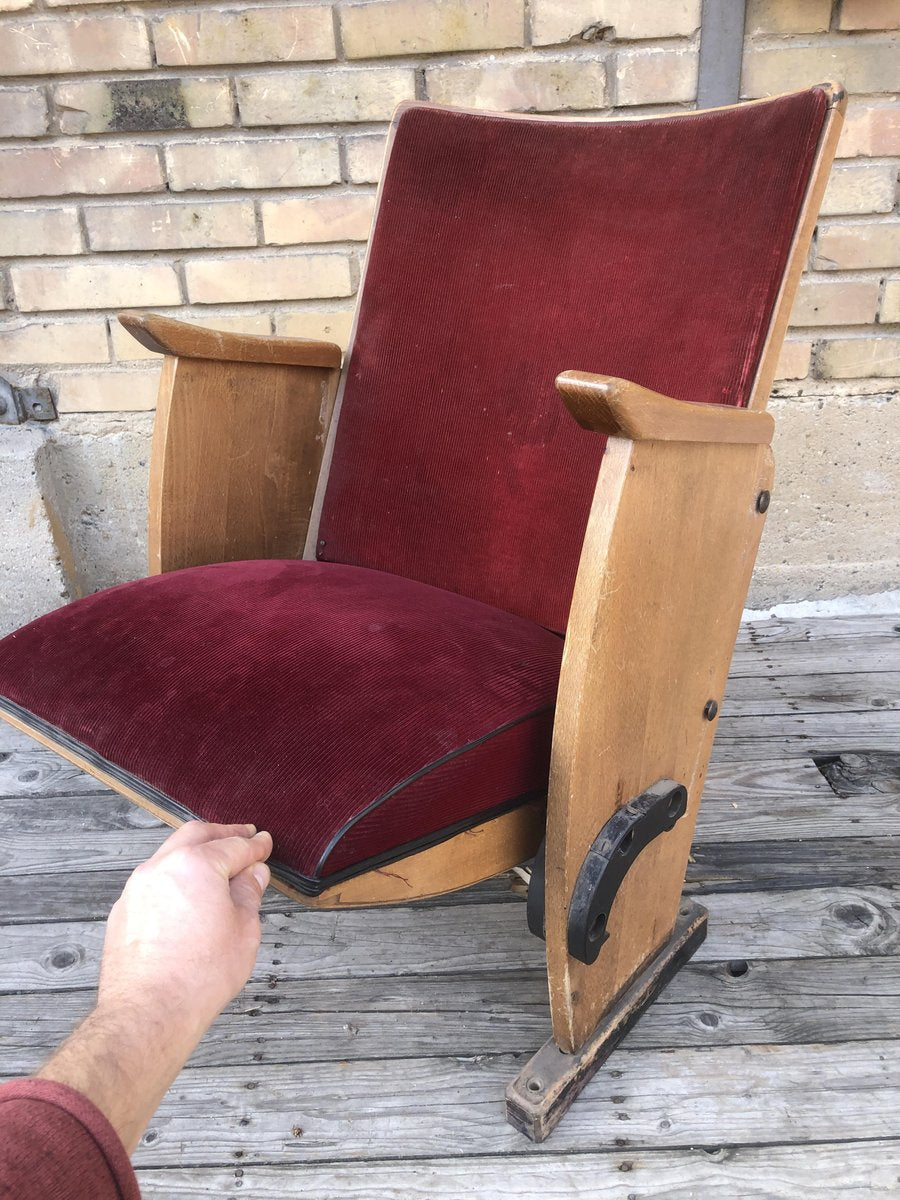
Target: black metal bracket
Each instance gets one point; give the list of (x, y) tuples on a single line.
[(619, 842), (20, 404), (606, 864)]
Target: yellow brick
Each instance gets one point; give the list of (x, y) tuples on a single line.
[(860, 188), (794, 360), (128, 349), (836, 302), (870, 14), (106, 391), (30, 231), (862, 66), (94, 285), (860, 358), (412, 27), (261, 163), (890, 305), (288, 277), (870, 129), (322, 97), (849, 247), (23, 112), (17, 5), (556, 21), (170, 226), (128, 105), (536, 86), (269, 34), (320, 326), (365, 157), (74, 43), (655, 76), (67, 170), (35, 343), (345, 216), (787, 16)]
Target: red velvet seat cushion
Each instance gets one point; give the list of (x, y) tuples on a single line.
[(354, 714)]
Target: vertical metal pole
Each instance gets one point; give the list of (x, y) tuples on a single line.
[(721, 48)]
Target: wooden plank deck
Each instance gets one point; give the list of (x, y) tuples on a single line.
[(369, 1055)]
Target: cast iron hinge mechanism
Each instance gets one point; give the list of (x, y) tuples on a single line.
[(20, 404), (606, 864)]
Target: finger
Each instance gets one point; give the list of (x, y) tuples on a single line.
[(248, 886), (197, 833), (232, 854)]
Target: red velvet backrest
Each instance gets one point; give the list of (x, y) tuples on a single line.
[(509, 249)]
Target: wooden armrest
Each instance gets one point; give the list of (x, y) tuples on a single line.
[(182, 340), (240, 431), (622, 409)]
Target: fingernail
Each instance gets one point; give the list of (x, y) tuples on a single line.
[(261, 875), (251, 829)]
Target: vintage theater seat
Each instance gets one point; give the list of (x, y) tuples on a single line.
[(384, 636)]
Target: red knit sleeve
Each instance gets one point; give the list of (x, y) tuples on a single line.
[(56, 1145)]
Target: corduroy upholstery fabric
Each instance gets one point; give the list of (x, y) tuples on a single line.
[(509, 249), (349, 712)]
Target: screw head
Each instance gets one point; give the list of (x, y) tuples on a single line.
[(710, 710), (762, 502)]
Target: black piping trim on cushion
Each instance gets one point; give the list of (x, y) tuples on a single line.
[(416, 775), (305, 884)]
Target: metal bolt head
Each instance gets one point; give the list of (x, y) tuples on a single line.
[(762, 502), (710, 710)]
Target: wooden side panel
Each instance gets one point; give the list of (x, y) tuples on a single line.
[(236, 454), (664, 572)]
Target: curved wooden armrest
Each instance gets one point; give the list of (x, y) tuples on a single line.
[(622, 409), (182, 340)]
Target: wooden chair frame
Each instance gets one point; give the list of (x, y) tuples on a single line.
[(665, 566)]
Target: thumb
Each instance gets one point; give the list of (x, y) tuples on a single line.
[(247, 887)]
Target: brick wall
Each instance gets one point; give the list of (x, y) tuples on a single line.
[(218, 161)]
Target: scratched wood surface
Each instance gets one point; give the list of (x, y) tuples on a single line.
[(369, 1055)]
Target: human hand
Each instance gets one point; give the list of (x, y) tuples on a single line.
[(182, 939)]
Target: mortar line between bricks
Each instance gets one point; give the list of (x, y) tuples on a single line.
[(223, 196), (572, 50), (166, 257), (229, 135)]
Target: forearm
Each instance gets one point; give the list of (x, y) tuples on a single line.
[(124, 1058)]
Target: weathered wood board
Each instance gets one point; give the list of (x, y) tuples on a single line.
[(866, 1171)]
